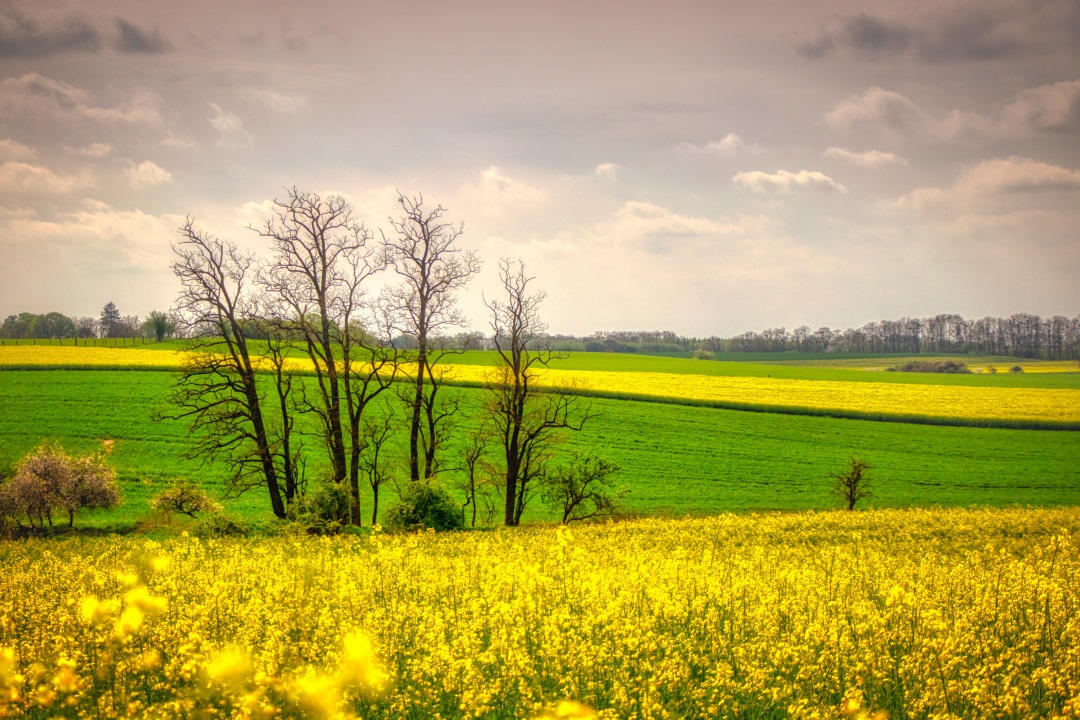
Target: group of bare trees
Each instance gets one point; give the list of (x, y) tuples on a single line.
[(326, 352)]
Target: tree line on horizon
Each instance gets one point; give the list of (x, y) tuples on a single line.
[(1019, 335)]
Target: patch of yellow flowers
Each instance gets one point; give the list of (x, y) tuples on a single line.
[(879, 399), (888, 613)]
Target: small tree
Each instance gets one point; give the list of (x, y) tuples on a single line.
[(49, 480), (110, 320), (853, 484), (184, 496), (582, 489), (158, 325)]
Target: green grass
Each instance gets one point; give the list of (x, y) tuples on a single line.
[(675, 459)]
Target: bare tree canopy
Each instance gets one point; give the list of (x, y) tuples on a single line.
[(527, 419), (422, 251)]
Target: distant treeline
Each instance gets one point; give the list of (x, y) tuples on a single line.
[(109, 324), (1019, 335)]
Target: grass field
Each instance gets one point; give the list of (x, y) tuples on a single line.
[(907, 613), (1047, 400), (675, 459)]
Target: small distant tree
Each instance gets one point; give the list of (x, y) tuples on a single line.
[(158, 325), (184, 496), (582, 489), (109, 321), (853, 484), (48, 480), (85, 326)]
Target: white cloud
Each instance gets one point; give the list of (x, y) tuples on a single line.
[(999, 186), (230, 128), (93, 151), (1053, 107), (20, 178), (608, 170), (497, 192), (276, 101), (866, 159), (89, 256), (876, 106), (147, 174), (730, 144), (12, 150), (784, 181)]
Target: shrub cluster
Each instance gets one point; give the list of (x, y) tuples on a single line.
[(49, 480), (933, 366)]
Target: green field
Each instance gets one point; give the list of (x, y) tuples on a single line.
[(676, 459)]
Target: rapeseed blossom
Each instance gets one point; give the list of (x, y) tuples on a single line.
[(887, 613)]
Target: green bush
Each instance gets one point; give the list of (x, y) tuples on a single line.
[(1015, 369), (220, 524), (424, 505), (184, 496), (935, 366), (322, 512)]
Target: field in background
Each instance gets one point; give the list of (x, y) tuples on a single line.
[(917, 613), (675, 459), (1041, 400)]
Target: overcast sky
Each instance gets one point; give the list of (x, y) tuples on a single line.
[(701, 166)]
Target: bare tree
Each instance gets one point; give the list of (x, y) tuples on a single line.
[(374, 463), (423, 253), (527, 418), (853, 484), (218, 390), (315, 283)]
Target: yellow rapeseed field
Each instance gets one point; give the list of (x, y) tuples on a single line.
[(900, 613), (879, 399)]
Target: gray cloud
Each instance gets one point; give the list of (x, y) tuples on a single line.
[(21, 36), (974, 32), (133, 39)]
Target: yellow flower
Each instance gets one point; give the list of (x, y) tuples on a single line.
[(359, 665)]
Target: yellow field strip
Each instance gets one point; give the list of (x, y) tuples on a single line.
[(894, 399)]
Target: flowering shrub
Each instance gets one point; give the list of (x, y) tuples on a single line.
[(48, 481)]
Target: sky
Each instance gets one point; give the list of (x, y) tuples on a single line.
[(699, 166)]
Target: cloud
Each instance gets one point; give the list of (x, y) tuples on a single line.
[(93, 151), (956, 32), (13, 150), (783, 181), (148, 174), (876, 106), (862, 33), (35, 96), (730, 144), (230, 128), (608, 170), (497, 192), (998, 186), (1053, 108), (276, 101), (133, 39), (21, 36), (866, 159), (21, 178), (1017, 174)]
